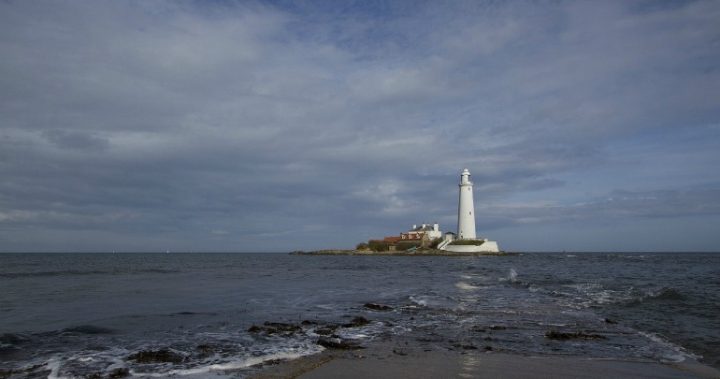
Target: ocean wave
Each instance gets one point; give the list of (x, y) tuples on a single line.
[(419, 300), (511, 277), (196, 359), (673, 353), (237, 364), (87, 329), (666, 293), (467, 286), (13, 338), (436, 303), (595, 294), (12, 341)]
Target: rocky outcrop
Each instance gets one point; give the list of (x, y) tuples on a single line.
[(562, 336), (156, 356), (338, 343), (377, 307), (414, 253)]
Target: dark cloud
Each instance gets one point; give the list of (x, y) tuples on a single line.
[(75, 140), (618, 206), (279, 126)]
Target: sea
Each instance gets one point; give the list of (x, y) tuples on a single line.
[(193, 315)]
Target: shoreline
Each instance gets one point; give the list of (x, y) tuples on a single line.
[(399, 359), (416, 253)]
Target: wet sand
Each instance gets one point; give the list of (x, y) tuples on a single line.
[(389, 362)]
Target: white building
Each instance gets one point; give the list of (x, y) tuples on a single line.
[(417, 232), (466, 224)]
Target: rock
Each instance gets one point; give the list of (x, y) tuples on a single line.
[(377, 307), (119, 373), (326, 330), (337, 343), (308, 322), (399, 352), (88, 329), (488, 348), (13, 338), (465, 347), (275, 328), (156, 356), (498, 327), (279, 327), (357, 321), (205, 349), (270, 362), (562, 336), (610, 321)]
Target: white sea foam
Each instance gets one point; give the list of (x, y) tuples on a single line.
[(676, 353), (363, 332), (54, 366), (419, 301), (511, 277), (232, 365), (400, 329), (590, 294), (466, 286)]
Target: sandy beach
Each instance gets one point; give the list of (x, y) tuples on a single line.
[(386, 361)]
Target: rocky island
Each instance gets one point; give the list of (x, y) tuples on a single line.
[(427, 239), (411, 253)]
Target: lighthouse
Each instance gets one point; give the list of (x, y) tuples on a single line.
[(466, 224), (466, 208)]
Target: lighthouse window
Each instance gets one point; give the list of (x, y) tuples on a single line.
[(470, 213)]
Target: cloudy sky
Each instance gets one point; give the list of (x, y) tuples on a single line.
[(284, 125)]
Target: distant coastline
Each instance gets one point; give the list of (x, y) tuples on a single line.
[(415, 253)]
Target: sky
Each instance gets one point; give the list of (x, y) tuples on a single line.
[(298, 125)]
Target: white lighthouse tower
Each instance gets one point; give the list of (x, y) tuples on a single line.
[(466, 208), (466, 224)]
